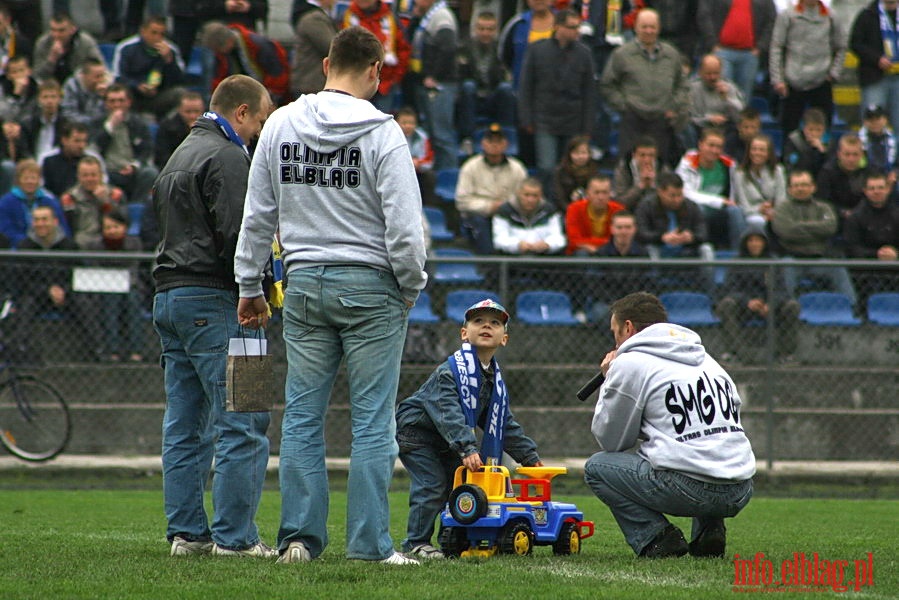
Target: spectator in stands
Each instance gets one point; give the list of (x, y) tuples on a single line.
[(878, 140), (804, 79), (749, 125), (874, 39), (151, 67), (245, 13), (121, 312), (486, 91), (714, 101), (527, 223), (806, 149), (760, 183), (708, 181), (47, 287), (13, 42), (623, 240), (588, 221), (872, 231), (422, 153), (28, 18), (678, 20), (636, 172), (60, 52), (612, 281), (556, 92), (85, 203), (746, 292), (134, 12), (43, 128), (377, 16), (83, 94), (17, 205), (174, 128), (804, 227), (126, 145), (486, 181), (315, 30), (520, 31), (644, 82), (60, 167), (841, 180), (670, 224), (575, 168), (13, 148), (240, 51), (738, 32), (434, 76), (18, 88)]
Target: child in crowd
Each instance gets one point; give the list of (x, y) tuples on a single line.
[(806, 149), (422, 153), (575, 168), (436, 427), (878, 140)]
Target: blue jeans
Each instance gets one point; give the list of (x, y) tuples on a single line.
[(331, 313), (548, 147), (431, 465), (194, 325), (884, 93), (439, 107), (729, 218), (739, 66), (499, 106), (640, 496), (837, 277)]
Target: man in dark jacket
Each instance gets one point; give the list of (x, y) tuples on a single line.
[(173, 129), (672, 225), (198, 200), (877, 50)]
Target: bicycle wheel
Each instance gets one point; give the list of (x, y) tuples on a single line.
[(34, 419)]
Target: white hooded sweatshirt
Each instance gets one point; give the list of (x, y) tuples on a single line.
[(663, 388), (333, 174)]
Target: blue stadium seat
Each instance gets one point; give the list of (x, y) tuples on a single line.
[(883, 309), (445, 187), (135, 217), (721, 272), (458, 301), (108, 51), (541, 307), (826, 308), (456, 272), (777, 137), (760, 103), (437, 221), (690, 309), (422, 311)]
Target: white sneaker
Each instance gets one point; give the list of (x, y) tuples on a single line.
[(257, 550), (425, 551), (398, 559), (296, 553), (183, 547)]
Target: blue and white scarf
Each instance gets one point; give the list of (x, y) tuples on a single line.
[(889, 33), (465, 367), (887, 151), (226, 128)]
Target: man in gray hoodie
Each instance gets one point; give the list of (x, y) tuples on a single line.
[(663, 389), (334, 177)]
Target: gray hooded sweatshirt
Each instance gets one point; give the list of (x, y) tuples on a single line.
[(333, 174), (663, 388)]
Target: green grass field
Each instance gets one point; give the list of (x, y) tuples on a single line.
[(111, 544)]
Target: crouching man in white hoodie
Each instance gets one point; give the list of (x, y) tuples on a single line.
[(663, 389)]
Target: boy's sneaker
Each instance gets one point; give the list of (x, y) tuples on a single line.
[(425, 551), (185, 547), (398, 559), (296, 553), (257, 550)]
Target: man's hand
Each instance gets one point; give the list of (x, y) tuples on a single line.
[(606, 363), (780, 89), (758, 306), (886, 253), (237, 6), (252, 312), (165, 51), (473, 462), (884, 64)]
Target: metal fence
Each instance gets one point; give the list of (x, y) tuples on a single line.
[(818, 377)]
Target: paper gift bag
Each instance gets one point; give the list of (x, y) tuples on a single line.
[(249, 380)]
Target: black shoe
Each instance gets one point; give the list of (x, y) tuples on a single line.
[(669, 543), (710, 542)]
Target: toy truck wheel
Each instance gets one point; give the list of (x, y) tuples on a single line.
[(516, 538), (569, 541), (468, 503), (453, 541)]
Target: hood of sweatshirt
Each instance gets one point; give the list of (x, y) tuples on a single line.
[(336, 119), (667, 341)]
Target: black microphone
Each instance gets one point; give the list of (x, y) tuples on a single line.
[(590, 387)]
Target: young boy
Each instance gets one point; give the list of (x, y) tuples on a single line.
[(421, 151), (806, 148), (436, 431), (878, 140)]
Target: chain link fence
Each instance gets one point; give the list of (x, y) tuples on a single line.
[(818, 374)]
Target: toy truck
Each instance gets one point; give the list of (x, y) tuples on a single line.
[(488, 512)]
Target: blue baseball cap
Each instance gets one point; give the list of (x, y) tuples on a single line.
[(487, 304)]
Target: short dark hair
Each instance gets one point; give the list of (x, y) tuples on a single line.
[(623, 214), (91, 61), (711, 131), (875, 174), (61, 16), (118, 87), (354, 49), (814, 116), (70, 127), (563, 15), (235, 90), (669, 180), (749, 114), (601, 177), (798, 173), (406, 111), (646, 141), (153, 20), (49, 84), (640, 308)]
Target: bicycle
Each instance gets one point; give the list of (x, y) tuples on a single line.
[(35, 424)]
